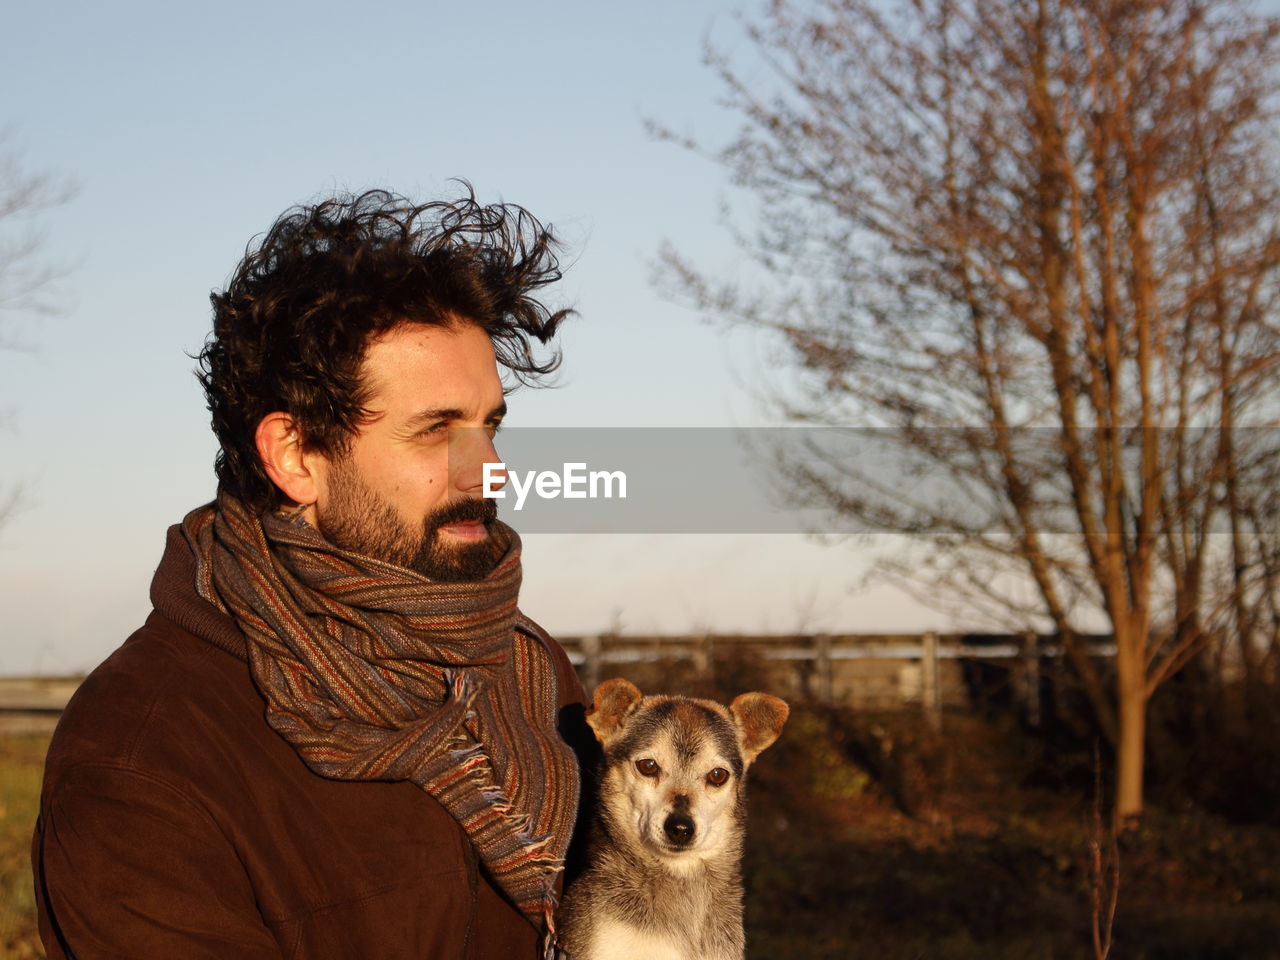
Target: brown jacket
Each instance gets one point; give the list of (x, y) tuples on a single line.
[(175, 824)]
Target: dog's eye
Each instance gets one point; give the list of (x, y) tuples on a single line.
[(648, 767), (718, 777)]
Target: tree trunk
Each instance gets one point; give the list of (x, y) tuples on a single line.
[(1131, 698)]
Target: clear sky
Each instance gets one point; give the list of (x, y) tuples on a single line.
[(189, 127)]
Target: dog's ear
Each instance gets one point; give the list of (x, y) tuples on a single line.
[(613, 699), (759, 718)]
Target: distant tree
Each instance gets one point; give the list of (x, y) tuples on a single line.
[(1035, 241), (26, 276)]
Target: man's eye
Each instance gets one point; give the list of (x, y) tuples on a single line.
[(648, 768), (434, 428)]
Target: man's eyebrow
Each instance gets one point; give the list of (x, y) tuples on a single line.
[(434, 415), (438, 414)]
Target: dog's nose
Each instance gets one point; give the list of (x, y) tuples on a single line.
[(679, 829)]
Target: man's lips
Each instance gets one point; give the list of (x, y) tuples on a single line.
[(466, 529)]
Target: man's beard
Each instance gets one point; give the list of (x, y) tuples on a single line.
[(359, 520)]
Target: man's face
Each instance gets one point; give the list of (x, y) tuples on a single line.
[(404, 493)]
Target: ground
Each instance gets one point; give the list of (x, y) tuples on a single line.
[(872, 837), (960, 845)]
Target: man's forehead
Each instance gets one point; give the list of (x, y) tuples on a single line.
[(420, 369), (418, 342)]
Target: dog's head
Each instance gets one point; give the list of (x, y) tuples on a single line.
[(675, 766)]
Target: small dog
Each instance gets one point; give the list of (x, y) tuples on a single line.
[(663, 878)]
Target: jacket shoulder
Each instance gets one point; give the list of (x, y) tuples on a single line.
[(159, 690)]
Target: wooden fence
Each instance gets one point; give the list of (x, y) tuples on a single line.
[(929, 671)]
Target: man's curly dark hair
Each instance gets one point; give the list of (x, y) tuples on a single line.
[(291, 329)]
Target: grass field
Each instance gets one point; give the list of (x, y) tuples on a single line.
[(872, 838), (21, 763)]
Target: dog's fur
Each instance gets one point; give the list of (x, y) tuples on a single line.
[(663, 879)]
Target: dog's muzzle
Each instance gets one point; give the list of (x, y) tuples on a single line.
[(679, 829)]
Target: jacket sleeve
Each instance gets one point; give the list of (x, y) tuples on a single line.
[(126, 865)]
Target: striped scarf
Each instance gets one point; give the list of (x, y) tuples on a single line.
[(373, 672)]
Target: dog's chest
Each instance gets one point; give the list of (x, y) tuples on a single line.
[(615, 940)]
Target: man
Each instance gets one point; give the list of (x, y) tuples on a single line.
[(335, 736)]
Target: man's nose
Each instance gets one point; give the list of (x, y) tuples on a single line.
[(470, 450)]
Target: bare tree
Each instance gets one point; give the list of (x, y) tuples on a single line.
[(1035, 242), (27, 279)]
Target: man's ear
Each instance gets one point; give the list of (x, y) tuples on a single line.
[(279, 442)]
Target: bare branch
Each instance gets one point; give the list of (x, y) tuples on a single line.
[(27, 279)]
